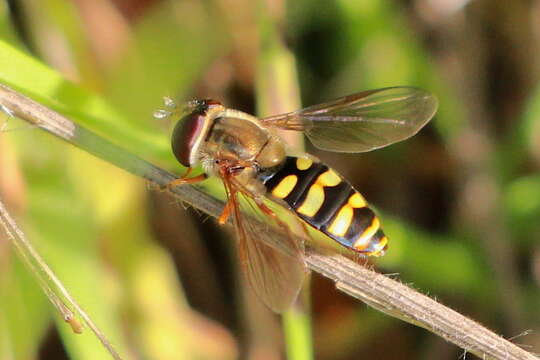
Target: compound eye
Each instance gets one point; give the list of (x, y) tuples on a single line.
[(186, 136)]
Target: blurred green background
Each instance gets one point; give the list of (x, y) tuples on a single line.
[(460, 201)]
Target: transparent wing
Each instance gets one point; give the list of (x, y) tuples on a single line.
[(363, 121), (275, 275)]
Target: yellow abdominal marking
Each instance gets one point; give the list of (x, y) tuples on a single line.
[(357, 201), (313, 201), (303, 163), (329, 178), (363, 240), (342, 221), (315, 196), (285, 187)]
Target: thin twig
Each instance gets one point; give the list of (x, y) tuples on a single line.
[(46, 278), (378, 291)]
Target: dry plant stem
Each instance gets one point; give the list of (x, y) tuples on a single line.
[(46, 276), (37, 266), (398, 300), (29, 256), (383, 293)]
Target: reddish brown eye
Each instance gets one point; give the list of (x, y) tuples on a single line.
[(186, 134)]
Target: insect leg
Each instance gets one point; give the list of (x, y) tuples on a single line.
[(184, 180), (298, 246), (226, 212)]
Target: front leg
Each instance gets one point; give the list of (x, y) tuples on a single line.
[(184, 180)]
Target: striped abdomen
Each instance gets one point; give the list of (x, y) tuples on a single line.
[(326, 201)]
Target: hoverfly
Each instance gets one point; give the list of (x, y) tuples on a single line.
[(252, 163)]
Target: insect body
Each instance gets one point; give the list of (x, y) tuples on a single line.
[(323, 199), (252, 162)]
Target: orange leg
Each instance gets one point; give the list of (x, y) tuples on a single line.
[(225, 213), (184, 180), (283, 225), (265, 209)]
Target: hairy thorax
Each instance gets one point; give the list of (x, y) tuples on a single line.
[(244, 148)]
